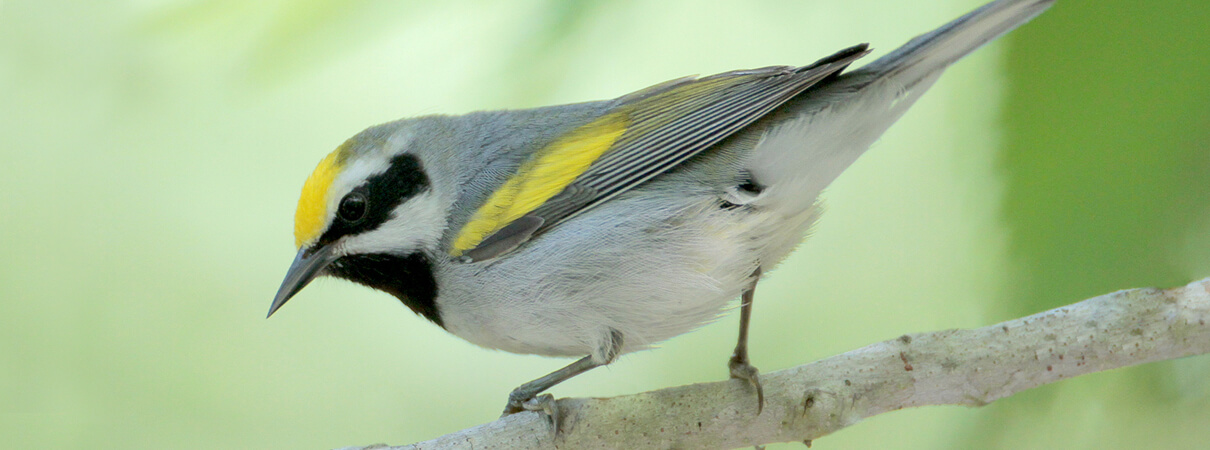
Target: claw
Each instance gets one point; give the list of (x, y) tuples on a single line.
[(544, 403), (741, 369), (526, 398)]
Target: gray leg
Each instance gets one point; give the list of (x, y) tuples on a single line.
[(526, 398), (740, 367)]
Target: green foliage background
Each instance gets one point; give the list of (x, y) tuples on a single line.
[(152, 152)]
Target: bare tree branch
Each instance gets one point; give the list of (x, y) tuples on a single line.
[(953, 367)]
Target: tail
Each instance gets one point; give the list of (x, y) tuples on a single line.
[(936, 50), (810, 140)]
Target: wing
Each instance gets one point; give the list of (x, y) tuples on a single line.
[(645, 134)]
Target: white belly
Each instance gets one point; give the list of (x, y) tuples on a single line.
[(641, 265)]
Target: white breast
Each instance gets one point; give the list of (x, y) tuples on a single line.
[(643, 264)]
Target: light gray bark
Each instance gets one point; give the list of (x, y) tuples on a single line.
[(953, 367)]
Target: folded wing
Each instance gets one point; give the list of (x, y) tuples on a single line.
[(645, 134)]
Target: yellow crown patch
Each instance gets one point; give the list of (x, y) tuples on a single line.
[(309, 218)]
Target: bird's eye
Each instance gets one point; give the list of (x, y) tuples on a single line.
[(352, 208)]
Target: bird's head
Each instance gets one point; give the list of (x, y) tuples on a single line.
[(369, 214)]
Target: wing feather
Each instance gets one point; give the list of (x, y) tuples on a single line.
[(665, 125)]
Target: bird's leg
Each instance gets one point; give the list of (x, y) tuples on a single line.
[(739, 364), (526, 398)]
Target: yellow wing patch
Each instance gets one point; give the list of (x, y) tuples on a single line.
[(313, 204), (543, 176)]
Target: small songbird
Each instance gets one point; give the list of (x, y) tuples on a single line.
[(595, 229)]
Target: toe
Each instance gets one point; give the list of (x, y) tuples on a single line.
[(749, 373)]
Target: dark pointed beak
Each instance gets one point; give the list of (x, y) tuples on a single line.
[(306, 267)]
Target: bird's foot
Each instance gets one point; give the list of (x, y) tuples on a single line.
[(743, 370), (545, 403)]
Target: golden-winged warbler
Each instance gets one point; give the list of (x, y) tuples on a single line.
[(600, 228)]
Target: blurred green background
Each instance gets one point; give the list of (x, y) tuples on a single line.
[(153, 151)]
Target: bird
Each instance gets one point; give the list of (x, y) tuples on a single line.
[(596, 229)]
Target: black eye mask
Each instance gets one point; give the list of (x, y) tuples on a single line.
[(369, 206)]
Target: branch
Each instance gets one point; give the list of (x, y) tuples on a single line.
[(953, 367)]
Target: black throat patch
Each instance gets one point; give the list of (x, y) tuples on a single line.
[(409, 278)]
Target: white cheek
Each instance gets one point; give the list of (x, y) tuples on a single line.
[(414, 225)]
